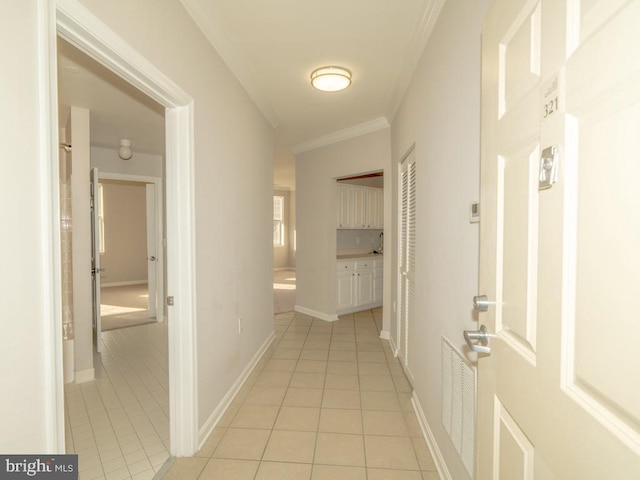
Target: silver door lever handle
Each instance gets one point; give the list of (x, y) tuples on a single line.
[(481, 336)]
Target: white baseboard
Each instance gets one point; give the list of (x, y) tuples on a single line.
[(315, 314), (279, 269), (86, 375), (392, 344), (360, 308), (385, 335), (122, 284), (438, 459), (222, 407)]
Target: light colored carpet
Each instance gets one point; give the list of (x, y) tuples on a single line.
[(124, 306), (284, 290)]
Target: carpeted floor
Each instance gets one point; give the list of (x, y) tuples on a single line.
[(124, 306), (284, 290)]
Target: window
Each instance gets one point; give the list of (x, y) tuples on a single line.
[(278, 221)]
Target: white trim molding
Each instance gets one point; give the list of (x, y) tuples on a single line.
[(335, 137), (438, 459), (394, 346), (50, 227), (222, 407), (86, 375), (316, 314), (229, 53), (423, 33)]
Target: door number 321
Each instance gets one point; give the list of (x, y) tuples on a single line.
[(550, 107)]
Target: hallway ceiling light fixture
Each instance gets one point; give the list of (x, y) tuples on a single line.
[(331, 79), (124, 152)]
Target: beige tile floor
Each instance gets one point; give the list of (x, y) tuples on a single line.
[(328, 402), (119, 423)]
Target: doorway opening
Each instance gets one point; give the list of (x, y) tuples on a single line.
[(77, 25), (132, 258), (123, 395)]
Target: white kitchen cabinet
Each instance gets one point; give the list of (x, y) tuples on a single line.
[(359, 207), (374, 207), (344, 206), (345, 290), (364, 287), (356, 284)]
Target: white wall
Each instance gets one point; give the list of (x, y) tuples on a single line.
[(233, 188), (441, 114), (316, 171), (351, 241), (233, 147), (25, 276), (125, 233), (81, 245), (144, 164)]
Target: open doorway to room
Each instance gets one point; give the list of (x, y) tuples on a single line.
[(284, 250), (359, 242), (118, 422), (131, 268)]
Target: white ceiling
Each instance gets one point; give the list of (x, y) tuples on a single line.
[(272, 46), (118, 110)]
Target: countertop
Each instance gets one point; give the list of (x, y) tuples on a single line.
[(358, 255)]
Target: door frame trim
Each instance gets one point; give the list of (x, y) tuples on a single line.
[(75, 23)]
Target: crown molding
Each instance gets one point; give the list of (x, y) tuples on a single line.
[(335, 137), (423, 33), (231, 58)]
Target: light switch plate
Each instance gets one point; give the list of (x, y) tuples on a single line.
[(474, 212)]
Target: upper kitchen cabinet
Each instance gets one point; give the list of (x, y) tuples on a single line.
[(374, 207), (359, 207), (344, 206)]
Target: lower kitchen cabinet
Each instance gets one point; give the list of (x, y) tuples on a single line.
[(357, 284)]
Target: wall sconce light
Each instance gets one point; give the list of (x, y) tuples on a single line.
[(331, 79), (124, 152)]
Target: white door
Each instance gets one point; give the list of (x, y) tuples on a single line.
[(152, 254), (95, 259), (407, 260), (559, 393)]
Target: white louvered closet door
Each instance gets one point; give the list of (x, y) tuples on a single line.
[(407, 259)]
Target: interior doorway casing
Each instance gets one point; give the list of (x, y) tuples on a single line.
[(77, 25)]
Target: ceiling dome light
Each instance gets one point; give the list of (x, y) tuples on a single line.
[(331, 79), (124, 152)]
